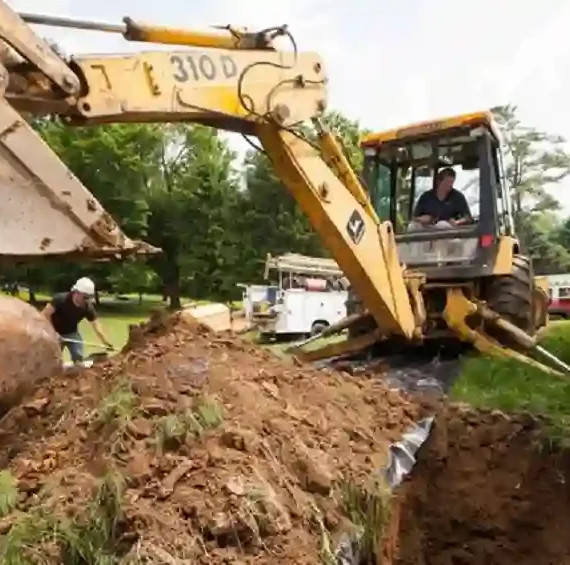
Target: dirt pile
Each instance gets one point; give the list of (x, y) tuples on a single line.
[(191, 448), (487, 489)]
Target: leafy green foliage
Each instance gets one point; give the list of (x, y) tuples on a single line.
[(8, 493), (193, 203), (92, 537), (535, 162), (174, 185), (116, 162)]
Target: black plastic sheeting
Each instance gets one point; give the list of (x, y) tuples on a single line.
[(402, 458), (435, 377)]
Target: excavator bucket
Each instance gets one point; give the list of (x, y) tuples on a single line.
[(468, 321), (46, 211), (29, 351)]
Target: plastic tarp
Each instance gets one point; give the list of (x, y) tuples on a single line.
[(402, 458), (435, 377)]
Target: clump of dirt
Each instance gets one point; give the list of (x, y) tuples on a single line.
[(487, 489), (191, 446)]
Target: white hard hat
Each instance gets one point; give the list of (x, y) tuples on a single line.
[(85, 286)]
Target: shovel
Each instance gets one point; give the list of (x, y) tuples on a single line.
[(93, 357), (98, 345)]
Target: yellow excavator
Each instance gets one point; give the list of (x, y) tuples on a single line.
[(238, 81), (470, 279)]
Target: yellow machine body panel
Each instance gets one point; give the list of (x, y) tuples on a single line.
[(430, 127)]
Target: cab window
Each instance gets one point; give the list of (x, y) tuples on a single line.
[(412, 182)]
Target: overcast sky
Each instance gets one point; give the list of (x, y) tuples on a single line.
[(389, 62)]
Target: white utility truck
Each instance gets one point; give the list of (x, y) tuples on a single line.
[(307, 295)]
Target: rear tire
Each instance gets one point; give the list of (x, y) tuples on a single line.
[(511, 296)]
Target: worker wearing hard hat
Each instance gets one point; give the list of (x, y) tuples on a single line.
[(67, 309)]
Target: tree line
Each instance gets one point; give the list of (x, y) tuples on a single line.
[(178, 187)]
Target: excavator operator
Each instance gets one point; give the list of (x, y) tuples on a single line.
[(443, 207)]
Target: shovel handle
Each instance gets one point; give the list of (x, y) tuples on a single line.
[(98, 345)]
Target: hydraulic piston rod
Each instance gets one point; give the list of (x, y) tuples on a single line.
[(227, 37)]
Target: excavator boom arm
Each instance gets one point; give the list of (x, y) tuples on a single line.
[(46, 209), (250, 88), (236, 81)]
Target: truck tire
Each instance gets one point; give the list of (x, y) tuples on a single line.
[(511, 296), (318, 327)]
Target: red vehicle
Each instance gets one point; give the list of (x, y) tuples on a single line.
[(559, 292)]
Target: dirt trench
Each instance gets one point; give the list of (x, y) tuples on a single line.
[(486, 489)]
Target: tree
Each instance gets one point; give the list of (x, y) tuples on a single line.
[(546, 242), (192, 206), (350, 133), (271, 218), (169, 184), (133, 276), (115, 162), (534, 160)]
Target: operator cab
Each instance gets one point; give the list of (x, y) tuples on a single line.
[(402, 165)]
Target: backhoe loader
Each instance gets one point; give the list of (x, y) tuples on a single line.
[(238, 81), (481, 259)]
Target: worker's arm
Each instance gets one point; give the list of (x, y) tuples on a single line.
[(98, 329), (463, 216), (48, 311), (420, 216)]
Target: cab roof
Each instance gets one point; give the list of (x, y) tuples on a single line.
[(433, 127)]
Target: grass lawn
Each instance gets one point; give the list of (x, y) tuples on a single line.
[(510, 386), (115, 325)]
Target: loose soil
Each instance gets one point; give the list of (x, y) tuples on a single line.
[(194, 448), (219, 451), (487, 489)]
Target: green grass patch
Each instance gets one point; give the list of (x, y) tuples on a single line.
[(119, 405), (172, 430), (508, 385), (116, 328), (92, 538), (368, 507), (8, 493)]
